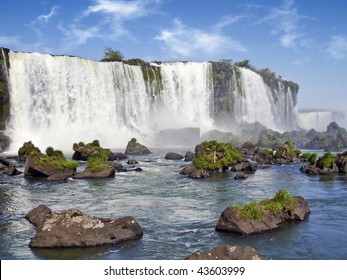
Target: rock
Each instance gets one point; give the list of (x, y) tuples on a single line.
[(34, 170), (245, 166), (12, 171), (231, 221), (185, 137), (104, 173), (240, 176), (5, 161), (227, 253), (199, 150), (173, 156), (189, 156), (341, 162), (72, 228), (132, 161), (194, 172), (4, 139), (28, 149), (117, 166), (2, 167), (134, 148), (116, 156)]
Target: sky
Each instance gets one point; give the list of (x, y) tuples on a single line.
[(301, 40)]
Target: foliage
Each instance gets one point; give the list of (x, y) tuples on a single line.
[(97, 162), (89, 149), (312, 159), (255, 210), (112, 55), (217, 155), (326, 160), (290, 144), (56, 159), (248, 145), (28, 149)]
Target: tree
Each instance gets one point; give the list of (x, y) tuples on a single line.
[(112, 55)]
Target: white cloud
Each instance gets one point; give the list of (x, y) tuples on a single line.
[(225, 21), (45, 18), (75, 36), (337, 48), (287, 24), (185, 41)]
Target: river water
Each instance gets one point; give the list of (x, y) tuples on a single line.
[(178, 214)]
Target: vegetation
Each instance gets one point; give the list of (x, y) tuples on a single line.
[(56, 159), (255, 210), (28, 149), (248, 145), (111, 55), (97, 162), (326, 161), (89, 149), (216, 156), (312, 159)]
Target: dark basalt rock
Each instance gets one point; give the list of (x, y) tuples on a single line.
[(227, 253), (231, 221), (12, 171), (189, 156), (132, 161), (72, 228), (240, 176), (116, 156), (245, 166), (173, 156), (52, 173), (104, 173), (194, 172)]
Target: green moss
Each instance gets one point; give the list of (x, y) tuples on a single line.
[(216, 156), (29, 149), (152, 76), (326, 160), (97, 162), (89, 149), (56, 159), (255, 210)]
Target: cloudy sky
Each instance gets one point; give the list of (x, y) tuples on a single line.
[(304, 41)]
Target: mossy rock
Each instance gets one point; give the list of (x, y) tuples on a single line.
[(134, 148)]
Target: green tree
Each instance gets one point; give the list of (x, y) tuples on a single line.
[(112, 55)]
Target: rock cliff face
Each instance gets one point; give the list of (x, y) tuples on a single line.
[(4, 93)]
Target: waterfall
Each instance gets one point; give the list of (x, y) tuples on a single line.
[(4, 65), (319, 120), (187, 97), (256, 101), (59, 100)]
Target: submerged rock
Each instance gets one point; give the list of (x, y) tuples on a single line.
[(194, 172), (72, 228), (189, 156), (241, 176), (227, 253), (116, 156), (12, 171)]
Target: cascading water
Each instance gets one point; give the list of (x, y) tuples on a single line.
[(61, 100), (187, 98), (319, 120), (255, 101)]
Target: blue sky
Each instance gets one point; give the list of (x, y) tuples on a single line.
[(304, 41)]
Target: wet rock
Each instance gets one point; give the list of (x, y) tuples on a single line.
[(227, 253), (116, 156), (173, 156), (88, 174), (134, 148), (189, 156), (73, 228), (241, 176), (35, 170), (132, 161), (194, 172), (12, 171), (231, 221)]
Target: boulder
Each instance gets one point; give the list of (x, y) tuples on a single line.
[(134, 148), (35, 170), (173, 156), (2, 167), (5, 161), (240, 176), (227, 253), (231, 221), (245, 166), (73, 228), (194, 172), (116, 156), (189, 156), (104, 173), (12, 171), (132, 161)]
